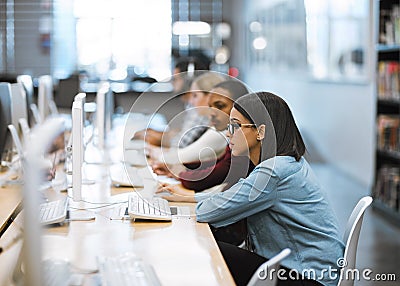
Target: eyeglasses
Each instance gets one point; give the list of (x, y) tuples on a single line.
[(235, 126)]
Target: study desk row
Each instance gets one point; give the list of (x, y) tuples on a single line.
[(182, 252)]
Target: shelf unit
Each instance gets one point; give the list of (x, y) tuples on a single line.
[(386, 189)]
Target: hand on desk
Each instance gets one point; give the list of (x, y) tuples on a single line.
[(150, 136), (155, 152), (175, 193), (171, 171), (161, 168)]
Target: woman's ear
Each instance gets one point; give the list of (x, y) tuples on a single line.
[(261, 132)]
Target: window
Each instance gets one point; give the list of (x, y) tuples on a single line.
[(325, 39), (337, 38), (114, 36)]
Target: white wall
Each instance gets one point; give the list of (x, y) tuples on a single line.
[(337, 121)]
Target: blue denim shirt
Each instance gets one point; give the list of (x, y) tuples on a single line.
[(285, 208)]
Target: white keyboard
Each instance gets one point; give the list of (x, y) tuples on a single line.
[(53, 212), (56, 273), (126, 270), (153, 209)]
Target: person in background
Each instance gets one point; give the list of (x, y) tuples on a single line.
[(282, 200), (183, 74), (194, 125), (206, 143), (196, 120)]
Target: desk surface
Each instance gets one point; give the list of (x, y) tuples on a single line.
[(182, 252)]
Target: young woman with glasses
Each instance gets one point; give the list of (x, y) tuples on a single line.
[(284, 205)]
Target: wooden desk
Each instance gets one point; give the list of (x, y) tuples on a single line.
[(10, 196), (182, 252)]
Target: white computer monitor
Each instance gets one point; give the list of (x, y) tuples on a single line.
[(77, 150), (46, 104), (16, 140), (27, 83), (6, 144), (42, 137), (109, 111), (19, 107), (82, 98), (101, 103), (25, 129)]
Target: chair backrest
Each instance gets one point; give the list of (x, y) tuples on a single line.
[(270, 267), (350, 238)]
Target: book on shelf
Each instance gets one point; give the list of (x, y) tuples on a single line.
[(388, 129), (389, 80), (389, 26), (387, 188)]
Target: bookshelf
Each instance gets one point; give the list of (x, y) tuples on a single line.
[(386, 189)]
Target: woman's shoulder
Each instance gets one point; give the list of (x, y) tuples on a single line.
[(281, 166)]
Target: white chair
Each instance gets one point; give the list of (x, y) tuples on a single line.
[(270, 267), (350, 239)]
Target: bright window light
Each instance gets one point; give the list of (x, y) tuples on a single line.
[(191, 28), (124, 33), (260, 43)]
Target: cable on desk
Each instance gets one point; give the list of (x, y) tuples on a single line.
[(11, 218), (122, 218), (11, 243), (99, 207), (97, 203), (78, 270)]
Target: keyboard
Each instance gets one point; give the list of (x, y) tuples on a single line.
[(126, 270), (56, 273), (53, 212), (153, 209)]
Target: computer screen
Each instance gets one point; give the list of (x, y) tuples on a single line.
[(6, 144)]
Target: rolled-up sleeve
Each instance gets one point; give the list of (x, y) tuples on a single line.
[(208, 147), (249, 196)]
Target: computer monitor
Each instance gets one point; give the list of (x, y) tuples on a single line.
[(16, 140), (109, 111), (82, 98), (26, 130), (19, 107), (27, 83), (77, 150), (6, 144), (104, 103), (43, 136), (46, 103)]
